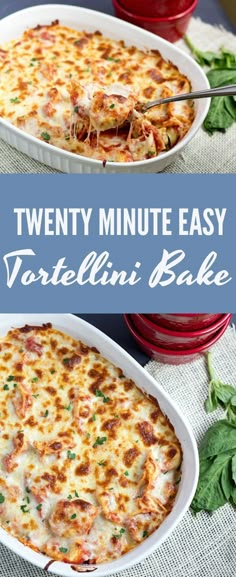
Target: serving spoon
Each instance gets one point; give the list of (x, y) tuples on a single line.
[(223, 91)]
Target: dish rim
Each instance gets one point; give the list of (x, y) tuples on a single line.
[(71, 324), (142, 36)]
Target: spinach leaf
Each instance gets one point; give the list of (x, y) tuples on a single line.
[(210, 495), (222, 111), (218, 117), (219, 438), (221, 77)]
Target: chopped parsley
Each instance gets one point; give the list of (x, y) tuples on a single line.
[(112, 106), (34, 59), (94, 417), (27, 489), (76, 494), (6, 388), (39, 507), (52, 371), (102, 463), (15, 100), (34, 380), (71, 455), (88, 435), (68, 408), (69, 497), (76, 109), (36, 396), (101, 394), (119, 535), (63, 550), (126, 473), (46, 413), (70, 75), (66, 361), (24, 509), (113, 59), (46, 136), (15, 385), (111, 488), (145, 534), (178, 481), (10, 378), (2, 498), (67, 137), (99, 441), (151, 153), (73, 516)]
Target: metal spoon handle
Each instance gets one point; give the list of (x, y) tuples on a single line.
[(223, 91)]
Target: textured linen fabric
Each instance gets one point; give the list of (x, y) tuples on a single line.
[(201, 546), (205, 154)]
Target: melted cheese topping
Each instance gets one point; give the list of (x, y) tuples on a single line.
[(89, 465), (77, 91)]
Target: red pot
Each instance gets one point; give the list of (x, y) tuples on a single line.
[(173, 357), (184, 322), (171, 28)]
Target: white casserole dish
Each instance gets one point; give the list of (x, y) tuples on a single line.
[(14, 25), (80, 329)]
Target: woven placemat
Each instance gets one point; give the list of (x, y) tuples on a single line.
[(201, 546), (205, 154)]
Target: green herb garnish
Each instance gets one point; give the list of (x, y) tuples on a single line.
[(24, 509), (39, 507), (68, 408), (112, 59), (15, 100), (101, 394), (2, 498), (112, 106), (27, 490), (66, 361), (119, 535), (71, 455), (99, 441), (46, 136), (126, 473), (6, 388), (10, 378), (76, 494), (94, 417), (46, 413), (63, 550), (145, 534), (34, 380), (36, 396), (102, 463), (73, 516), (52, 371)]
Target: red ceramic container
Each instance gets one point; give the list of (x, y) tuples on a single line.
[(176, 340), (169, 356), (171, 28), (185, 322), (156, 8)]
